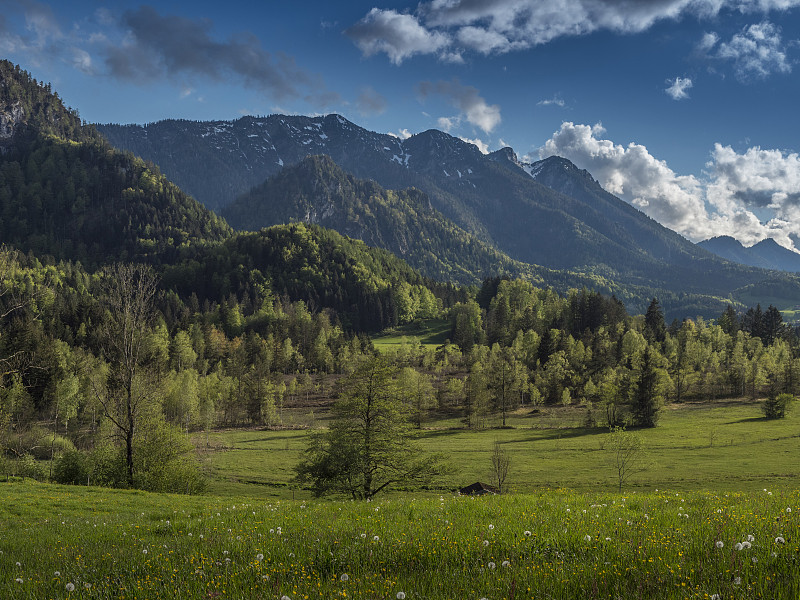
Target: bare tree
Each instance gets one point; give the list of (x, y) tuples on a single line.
[(128, 294), (501, 464), (628, 455)]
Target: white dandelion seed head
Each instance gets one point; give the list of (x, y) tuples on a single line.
[(285, 598), (528, 534), (788, 510), (737, 581), (491, 526), (754, 559), (715, 597), (738, 546), (780, 540), (87, 585), (491, 565), (363, 536), (505, 563), (70, 587), (144, 551), (719, 544), (751, 538), (259, 557), (587, 538), (345, 577), (485, 542), (746, 545), (19, 580), (19, 564), (401, 595)]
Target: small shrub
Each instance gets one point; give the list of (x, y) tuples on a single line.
[(775, 406), (71, 468)]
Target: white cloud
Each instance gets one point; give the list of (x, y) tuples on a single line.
[(757, 52), (402, 134), (447, 123), (482, 146), (678, 87), (554, 101), (500, 26), (467, 99), (725, 201), (398, 35)]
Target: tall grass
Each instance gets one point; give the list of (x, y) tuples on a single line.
[(555, 544)]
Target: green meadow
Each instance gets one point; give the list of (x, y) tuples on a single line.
[(74, 542), (714, 515), (723, 445)]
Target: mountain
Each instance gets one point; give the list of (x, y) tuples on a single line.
[(65, 192), (548, 213), (318, 191), (767, 253)]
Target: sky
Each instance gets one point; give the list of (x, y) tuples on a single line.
[(685, 108)]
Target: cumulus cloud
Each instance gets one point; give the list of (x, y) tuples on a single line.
[(370, 102), (465, 98), (445, 27), (722, 202), (678, 87), (482, 146), (402, 134), (757, 52), (398, 35)]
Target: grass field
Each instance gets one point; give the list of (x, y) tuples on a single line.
[(723, 445), (74, 542), (429, 334)]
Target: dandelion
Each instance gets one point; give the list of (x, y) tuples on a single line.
[(780, 540), (376, 539), (788, 510), (87, 585), (491, 565), (737, 581), (506, 564), (738, 546), (345, 577), (746, 545), (587, 538), (491, 526), (18, 580), (715, 597), (144, 551), (485, 543), (719, 544), (527, 534), (750, 538), (363, 536), (19, 564), (285, 598), (259, 557), (57, 573), (401, 595), (755, 560), (70, 587)]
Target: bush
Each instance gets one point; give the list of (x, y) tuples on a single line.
[(775, 406), (71, 468), (27, 466), (46, 446)]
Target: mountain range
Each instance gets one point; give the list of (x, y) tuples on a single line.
[(767, 254), (549, 215)]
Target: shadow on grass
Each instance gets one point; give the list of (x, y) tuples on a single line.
[(751, 420)]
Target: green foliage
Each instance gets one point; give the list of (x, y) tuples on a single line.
[(72, 468), (775, 405)]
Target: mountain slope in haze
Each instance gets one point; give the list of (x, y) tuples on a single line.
[(767, 253), (548, 213), (317, 191), (64, 191)]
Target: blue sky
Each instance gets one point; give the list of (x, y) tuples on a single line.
[(685, 108)]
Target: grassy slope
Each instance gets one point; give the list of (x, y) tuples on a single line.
[(722, 446), (556, 544)]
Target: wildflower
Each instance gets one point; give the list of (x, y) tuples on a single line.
[(715, 597), (737, 581), (19, 564), (788, 510), (70, 587), (345, 577), (401, 595), (18, 580), (491, 565), (259, 557), (750, 538), (87, 585), (485, 542), (363, 535), (491, 526), (285, 598), (144, 551), (746, 545), (527, 534), (719, 544), (755, 560), (505, 563), (738, 546), (376, 539), (780, 540), (587, 538)]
